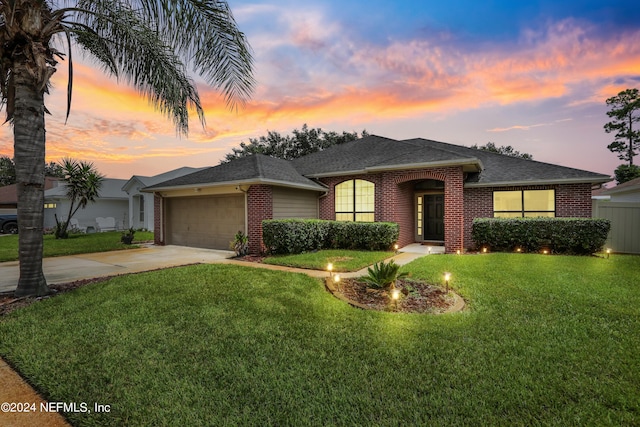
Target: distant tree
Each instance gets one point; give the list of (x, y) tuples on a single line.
[(53, 169), (8, 171), (625, 110), (626, 173), (302, 142), (83, 182), (506, 150)]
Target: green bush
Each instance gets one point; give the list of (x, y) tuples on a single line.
[(383, 275), (292, 236), (579, 236)]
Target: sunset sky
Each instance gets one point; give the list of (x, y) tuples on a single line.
[(531, 74)]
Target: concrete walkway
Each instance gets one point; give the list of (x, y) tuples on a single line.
[(86, 266)]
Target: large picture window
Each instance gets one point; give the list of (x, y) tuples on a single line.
[(355, 201), (524, 203)]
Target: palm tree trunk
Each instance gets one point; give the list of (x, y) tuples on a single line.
[(29, 155)]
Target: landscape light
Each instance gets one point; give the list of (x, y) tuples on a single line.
[(395, 248), (484, 250), (518, 250), (458, 252), (395, 295), (329, 268), (447, 277), (608, 252), (336, 281), (429, 250)]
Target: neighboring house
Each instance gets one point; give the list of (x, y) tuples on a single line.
[(112, 203), (141, 204), (433, 190), (9, 195), (621, 205)]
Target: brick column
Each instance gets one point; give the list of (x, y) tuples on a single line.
[(453, 211), (259, 208)]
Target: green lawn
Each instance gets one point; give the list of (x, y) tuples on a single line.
[(548, 340), (342, 259), (75, 244)]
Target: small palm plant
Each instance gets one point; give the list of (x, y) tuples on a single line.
[(383, 275), (240, 244)]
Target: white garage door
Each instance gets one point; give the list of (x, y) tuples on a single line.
[(204, 222)]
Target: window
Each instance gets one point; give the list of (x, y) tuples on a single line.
[(355, 201), (524, 203), (49, 205)]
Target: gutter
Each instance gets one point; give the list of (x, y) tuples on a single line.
[(374, 169), (538, 182), (234, 183)]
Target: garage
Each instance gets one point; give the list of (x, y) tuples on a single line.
[(204, 222)]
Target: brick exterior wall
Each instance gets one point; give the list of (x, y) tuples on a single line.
[(158, 216), (259, 208), (395, 201), (572, 201)]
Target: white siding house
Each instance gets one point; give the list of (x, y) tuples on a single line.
[(140, 213), (112, 202)]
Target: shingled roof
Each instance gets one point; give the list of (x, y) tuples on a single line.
[(253, 169), (374, 154), (499, 169)]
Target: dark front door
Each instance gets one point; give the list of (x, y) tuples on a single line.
[(434, 217)]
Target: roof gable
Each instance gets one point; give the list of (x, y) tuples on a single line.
[(374, 153), (256, 168), (146, 181)]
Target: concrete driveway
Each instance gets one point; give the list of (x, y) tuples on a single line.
[(85, 266)]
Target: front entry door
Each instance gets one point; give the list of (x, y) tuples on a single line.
[(433, 217)]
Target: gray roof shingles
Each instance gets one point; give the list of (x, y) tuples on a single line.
[(378, 153), (254, 168)]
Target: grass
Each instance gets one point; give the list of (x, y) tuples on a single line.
[(547, 341), (342, 260), (75, 244)]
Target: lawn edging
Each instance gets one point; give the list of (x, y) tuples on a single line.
[(458, 304)]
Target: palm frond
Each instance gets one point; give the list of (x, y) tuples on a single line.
[(142, 58), (205, 32)]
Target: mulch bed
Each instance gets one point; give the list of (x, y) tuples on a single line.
[(415, 297)]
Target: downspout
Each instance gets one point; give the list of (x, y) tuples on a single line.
[(245, 190)]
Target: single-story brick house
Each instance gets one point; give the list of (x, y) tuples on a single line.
[(433, 190)]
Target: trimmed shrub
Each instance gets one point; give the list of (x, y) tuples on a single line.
[(371, 236), (578, 236), (293, 236)]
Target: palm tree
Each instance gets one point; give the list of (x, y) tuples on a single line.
[(147, 43), (83, 182)]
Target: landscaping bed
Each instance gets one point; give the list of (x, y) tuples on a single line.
[(415, 297)]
